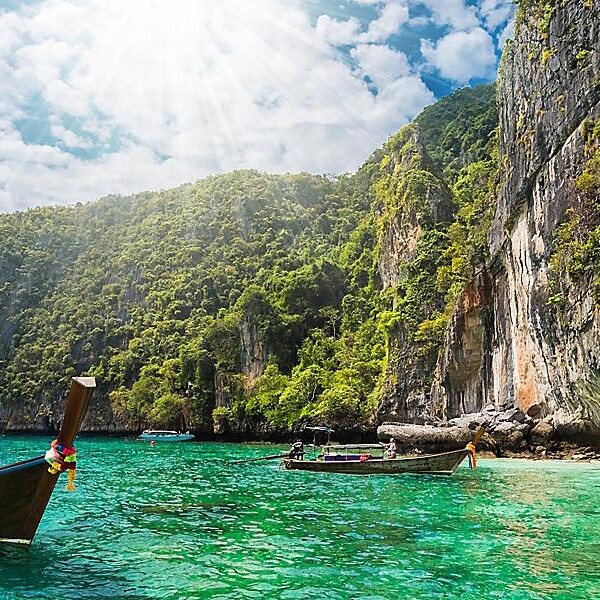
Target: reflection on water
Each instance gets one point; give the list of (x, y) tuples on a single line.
[(175, 523)]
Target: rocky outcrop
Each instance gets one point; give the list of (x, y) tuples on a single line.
[(507, 344), (548, 87), (414, 202), (228, 386), (254, 354), (417, 197), (425, 437), (460, 385)]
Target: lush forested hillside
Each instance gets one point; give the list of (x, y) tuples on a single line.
[(245, 301)]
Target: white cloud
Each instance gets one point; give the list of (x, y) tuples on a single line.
[(392, 16), (66, 99), (59, 19), (10, 32), (496, 13), (17, 152), (69, 138), (381, 63), (507, 33), (403, 99), (337, 32), (172, 92), (161, 92), (462, 56), (454, 13)]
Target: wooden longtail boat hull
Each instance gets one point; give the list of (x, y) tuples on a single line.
[(444, 463), (26, 486)]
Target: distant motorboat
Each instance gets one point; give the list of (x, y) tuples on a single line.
[(157, 435)]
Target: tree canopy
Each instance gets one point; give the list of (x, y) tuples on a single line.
[(247, 298)]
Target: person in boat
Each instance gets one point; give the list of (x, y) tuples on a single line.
[(390, 449), (297, 450)]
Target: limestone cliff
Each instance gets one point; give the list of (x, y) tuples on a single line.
[(415, 205), (254, 355), (508, 343), (435, 282)]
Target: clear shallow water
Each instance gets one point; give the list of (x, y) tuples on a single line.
[(174, 522)]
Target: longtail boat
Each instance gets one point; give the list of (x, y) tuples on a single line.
[(26, 486), (367, 459)]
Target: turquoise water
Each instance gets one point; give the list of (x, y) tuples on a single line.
[(175, 522)]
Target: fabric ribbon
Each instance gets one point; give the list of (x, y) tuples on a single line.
[(470, 448), (62, 458)]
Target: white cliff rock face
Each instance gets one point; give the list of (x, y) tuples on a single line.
[(254, 355), (507, 344), (399, 245), (253, 359)]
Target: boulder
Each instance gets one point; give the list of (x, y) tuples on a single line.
[(542, 433), (470, 421), (425, 437), (512, 414), (534, 410), (503, 428), (576, 429), (507, 436), (524, 428)]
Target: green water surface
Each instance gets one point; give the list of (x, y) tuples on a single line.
[(174, 521)]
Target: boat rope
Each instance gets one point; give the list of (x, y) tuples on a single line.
[(470, 448), (62, 458)]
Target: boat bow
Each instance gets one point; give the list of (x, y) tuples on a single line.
[(26, 486)]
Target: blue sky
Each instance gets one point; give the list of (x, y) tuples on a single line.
[(119, 96)]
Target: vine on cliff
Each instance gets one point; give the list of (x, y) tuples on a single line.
[(577, 239)]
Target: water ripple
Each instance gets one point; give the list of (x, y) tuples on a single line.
[(177, 522)]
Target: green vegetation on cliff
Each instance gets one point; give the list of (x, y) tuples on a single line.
[(246, 299), (577, 239), (460, 129)]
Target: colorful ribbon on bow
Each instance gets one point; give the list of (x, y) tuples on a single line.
[(62, 458), (470, 448)]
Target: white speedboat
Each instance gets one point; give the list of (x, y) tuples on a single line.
[(157, 435)]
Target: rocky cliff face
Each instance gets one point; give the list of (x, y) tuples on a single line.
[(508, 344), (254, 354), (416, 204), (417, 198), (253, 359)]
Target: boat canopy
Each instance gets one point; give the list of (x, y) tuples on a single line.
[(334, 447)]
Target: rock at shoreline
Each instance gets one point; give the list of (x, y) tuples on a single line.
[(425, 437), (509, 431), (542, 433)]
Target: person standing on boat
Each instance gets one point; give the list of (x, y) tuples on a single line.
[(390, 449), (297, 450)]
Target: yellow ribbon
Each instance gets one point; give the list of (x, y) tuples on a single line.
[(71, 478), (55, 468)]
